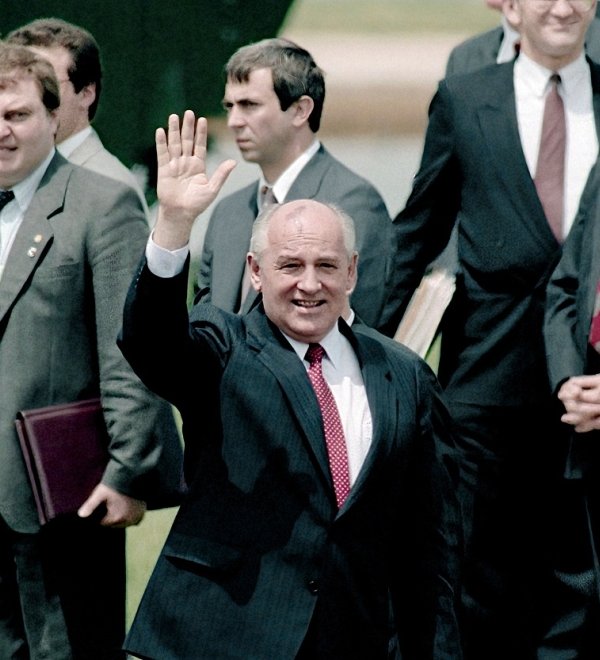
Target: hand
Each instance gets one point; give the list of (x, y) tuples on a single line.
[(121, 510), (184, 190), (580, 396)]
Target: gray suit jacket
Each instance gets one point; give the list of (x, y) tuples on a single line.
[(325, 179), (93, 155), (61, 296), (259, 553)]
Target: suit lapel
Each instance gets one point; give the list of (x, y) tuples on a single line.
[(499, 129), (308, 182), (281, 360), (35, 233)]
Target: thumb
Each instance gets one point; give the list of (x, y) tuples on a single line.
[(92, 503)]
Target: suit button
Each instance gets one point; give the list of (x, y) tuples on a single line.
[(313, 587)]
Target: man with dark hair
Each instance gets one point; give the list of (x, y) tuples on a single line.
[(274, 99), (69, 243), (75, 56)]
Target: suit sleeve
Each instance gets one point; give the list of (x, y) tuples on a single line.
[(145, 448), (567, 322), (423, 228)]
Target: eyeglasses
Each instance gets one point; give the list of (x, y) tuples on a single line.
[(578, 5)]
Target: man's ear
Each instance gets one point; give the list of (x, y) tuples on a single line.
[(352, 273), (87, 95), (303, 108), (254, 266)]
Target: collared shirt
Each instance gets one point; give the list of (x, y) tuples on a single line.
[(510, 36), (282, 186), (531, 82), (13, 213), (68, 146), (341, 369)]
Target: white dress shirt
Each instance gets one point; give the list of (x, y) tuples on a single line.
[(68, 146), (531, 86), (507, 51)]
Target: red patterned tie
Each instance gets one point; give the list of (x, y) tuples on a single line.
[(332, 425), (595, 326), (550, 170)]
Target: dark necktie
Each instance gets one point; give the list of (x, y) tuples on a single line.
[(550, 172), (6, 196), (332, 425)]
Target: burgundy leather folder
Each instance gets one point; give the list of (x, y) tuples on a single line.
[(65, 448)]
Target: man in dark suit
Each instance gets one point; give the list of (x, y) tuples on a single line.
[(69, 243), (477, 171), (273, 554), (274, 99), (573, 355)]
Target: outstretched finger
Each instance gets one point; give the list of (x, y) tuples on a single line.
[(220, 175), (187, 133), (201, 138), (162, 153), (174, 137)]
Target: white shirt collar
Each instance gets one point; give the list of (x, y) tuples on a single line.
[(282, 186), (332, 343), (68, 146), (536, 76)]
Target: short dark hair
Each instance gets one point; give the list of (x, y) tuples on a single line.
[(85, 54), (294, 71), (19, 62)]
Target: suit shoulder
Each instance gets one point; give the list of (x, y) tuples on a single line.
[(473, 44)]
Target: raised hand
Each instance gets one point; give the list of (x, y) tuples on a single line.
[(183, 187)]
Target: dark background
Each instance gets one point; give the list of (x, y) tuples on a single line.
[(159, 56)]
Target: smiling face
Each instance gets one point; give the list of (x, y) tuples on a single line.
[(552, 31), (304, 272), (27, 129)]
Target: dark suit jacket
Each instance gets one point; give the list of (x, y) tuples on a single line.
[(571, 296), (482, 49), (327, 180), (258, 549), (474, 172), (61, 296)]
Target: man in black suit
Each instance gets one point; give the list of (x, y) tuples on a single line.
[(270, 556), (477, 170), (274, 99)]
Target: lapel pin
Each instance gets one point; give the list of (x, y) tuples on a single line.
[(32, 251), (38, 238)]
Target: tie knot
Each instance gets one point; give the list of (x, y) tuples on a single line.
[(5, 197), (315, 353), (267, 196), (555, 79)]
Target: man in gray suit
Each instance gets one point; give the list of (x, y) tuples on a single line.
[(69, 242), (274, 99), (75, 56), (284, 548)]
